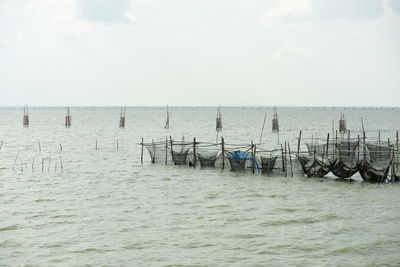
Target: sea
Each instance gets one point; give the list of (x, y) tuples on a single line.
[(81, 196)]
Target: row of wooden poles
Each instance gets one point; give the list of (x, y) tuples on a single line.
[(68, 118), (275, 122)]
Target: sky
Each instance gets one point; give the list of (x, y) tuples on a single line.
[(200, 53)]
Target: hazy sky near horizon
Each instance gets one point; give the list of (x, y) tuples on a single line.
[(204, 52)]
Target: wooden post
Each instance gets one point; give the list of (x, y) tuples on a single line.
[(335, 141), (172, 150), (1, 145), (61, 164), (141, 153), (117, 145), (15, 160), (290, 159), (364, 150), (283, 162), (166, 151), (194, 152), (61, 147), (327, 146), (42, 164), (358, 146), (397, 140), (96, 144), (262, 129), (33, 165), (223, 152), (40, 149), (298, 144), (252, 156), (153, 160)]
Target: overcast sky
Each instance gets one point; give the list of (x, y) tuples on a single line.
[(203, 52)]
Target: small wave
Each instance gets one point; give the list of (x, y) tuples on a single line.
[(44, 200), (87, 250), (248, 236), (8, 228)]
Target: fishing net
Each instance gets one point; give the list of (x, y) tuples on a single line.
[(267, 164), (179, 158), (323, 150), (237, 160), (346, 149), (159, 152), (207, 158), (313, 166), (180, 151), (379, 153)]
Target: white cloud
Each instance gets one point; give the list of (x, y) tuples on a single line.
[(287, 10)]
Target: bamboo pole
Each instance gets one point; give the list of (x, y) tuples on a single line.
[(194, 152), (40, 149), (172, 150), (15, 161), (223, 152), (166, 151), (33, 165), (141, 153), (327, 147), (252, 155), (262, 129), (283, 162), (42, 164), (61, 164), (154, 152), (298, 144), (290, 160)]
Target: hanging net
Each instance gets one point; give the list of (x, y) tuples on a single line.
[(180, 151), (313, 166), (237, 159), (376, 168), (207, 159), (159, 152), (346, 164), (267, 164)]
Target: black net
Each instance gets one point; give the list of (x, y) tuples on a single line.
[(179, 158), (267, 164), (379, 153), (207, 159), (313, 166), (159, 152), (347, 149), (237, 163)]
